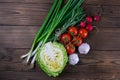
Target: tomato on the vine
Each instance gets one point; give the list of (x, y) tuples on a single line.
[(73, 30), (83, 32), (77, 41), (66, 38), (70, 48)]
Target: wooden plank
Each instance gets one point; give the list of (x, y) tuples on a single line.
[(102, 2), (107, 11), (23, 14), (107, 75), (97, 2), (27, 1), (13, 36), (22, 37), (34, 14), (96, 65), (11, 75), (10, 59), (104, 39)]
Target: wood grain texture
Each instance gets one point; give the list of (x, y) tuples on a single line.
[(103, 2), (20, 21), (22, 37), (97, 65), (34, 14)]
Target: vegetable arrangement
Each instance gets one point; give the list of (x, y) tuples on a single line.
[(62, 32)]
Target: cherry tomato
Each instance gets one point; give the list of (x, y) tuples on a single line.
[(72, 30), (65, 38), (77, 41), (70, 48), (83, 32)]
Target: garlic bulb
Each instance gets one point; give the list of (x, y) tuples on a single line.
[(73, 59), (84, 48)]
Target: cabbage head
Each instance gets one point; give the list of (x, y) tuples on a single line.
[(52, 58)]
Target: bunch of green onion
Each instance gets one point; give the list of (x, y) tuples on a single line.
[(57, 21)]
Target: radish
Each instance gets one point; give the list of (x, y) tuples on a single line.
[(96, 18), (89, 27), (89, 19), (82, 24)]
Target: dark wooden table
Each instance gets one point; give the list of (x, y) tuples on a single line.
[(20, 21)]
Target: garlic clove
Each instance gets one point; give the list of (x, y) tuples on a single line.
[(73, 59), (84, 48)]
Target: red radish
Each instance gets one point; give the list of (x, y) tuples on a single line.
[(82, 24), (89, 19), (96, 18), (89, 27)]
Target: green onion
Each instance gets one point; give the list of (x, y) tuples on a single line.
[(54, 10), (57, 18)]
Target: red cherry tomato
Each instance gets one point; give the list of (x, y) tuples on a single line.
[(70, 48), (65, 38), (72, 30), (83, 32), (77, 41)]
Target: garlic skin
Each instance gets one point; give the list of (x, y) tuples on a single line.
[(84, 48), (73, 59)]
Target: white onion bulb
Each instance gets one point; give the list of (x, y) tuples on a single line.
[(84, 48), (73, 59)]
